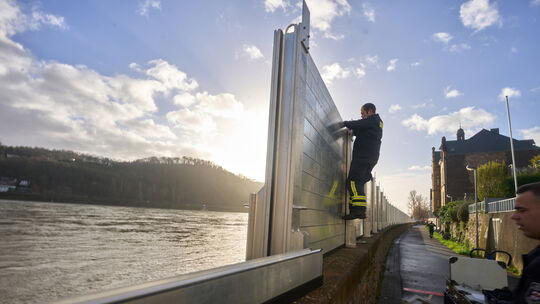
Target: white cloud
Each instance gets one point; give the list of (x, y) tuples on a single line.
[(469, 117), (271, 5), (445, 38), (451, 93), (252, 52), (143, 8), (419, 168), (39, 18), (419, 106), (394, 108), (136, 67), (13, 20), (535, 2), (322, 14), (479, 14), (392, 64), (62, 106), (184, 99), (332, 36), (372, 59), (221, 105), (369, 12), (137, 92), (10, 18), (334, 71), (510, 92), (532, 133), (148, 128), (458, 48), (535, 89), (360, 72), (415, 64), (514, 49), (442, 37), (171, 76), (192, 120)]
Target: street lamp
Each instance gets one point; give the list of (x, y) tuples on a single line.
[(475, 201), (512, 146)]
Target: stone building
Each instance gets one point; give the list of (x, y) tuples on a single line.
[(450, 178)]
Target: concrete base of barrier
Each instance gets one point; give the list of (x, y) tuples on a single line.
[(353, 275)]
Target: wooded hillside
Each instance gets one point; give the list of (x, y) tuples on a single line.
[(179, 183)]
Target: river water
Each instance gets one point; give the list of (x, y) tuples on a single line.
[(50, 251)]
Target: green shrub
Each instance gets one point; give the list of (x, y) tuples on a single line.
[(491, 176), (535, 161), (452, 213), (463, 211), (508, 183)]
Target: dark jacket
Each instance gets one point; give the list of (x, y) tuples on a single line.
[(528, 289), (368, 132)]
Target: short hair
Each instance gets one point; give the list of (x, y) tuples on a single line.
[(369, 106), (534, 187)]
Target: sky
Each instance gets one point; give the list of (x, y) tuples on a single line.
[(128, 79)]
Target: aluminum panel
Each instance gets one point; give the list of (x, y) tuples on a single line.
[(307, 162), (311, 218), (328, 236), (255, 281)]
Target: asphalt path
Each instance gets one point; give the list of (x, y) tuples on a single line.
[(416, 266)]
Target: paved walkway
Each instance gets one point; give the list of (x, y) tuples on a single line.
[(416, 265)]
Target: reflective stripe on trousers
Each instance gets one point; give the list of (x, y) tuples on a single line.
[(356, 199)]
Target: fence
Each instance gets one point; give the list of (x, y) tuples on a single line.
[(494, 205)]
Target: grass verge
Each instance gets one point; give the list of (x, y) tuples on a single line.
[(454, 246), (463, 249)]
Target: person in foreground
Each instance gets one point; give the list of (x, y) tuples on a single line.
[(527, 217), (368, 132)]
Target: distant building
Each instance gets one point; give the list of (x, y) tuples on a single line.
[(7, 184), (450, 179)]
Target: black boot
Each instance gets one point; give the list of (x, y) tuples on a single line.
[(355, 212)]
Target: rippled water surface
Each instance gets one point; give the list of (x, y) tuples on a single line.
[(50, 251)]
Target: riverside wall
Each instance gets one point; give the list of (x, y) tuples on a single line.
[(498, 231), (353, 275)]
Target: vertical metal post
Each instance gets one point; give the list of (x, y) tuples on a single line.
[(251, 226), (512, 146), (476, 204)]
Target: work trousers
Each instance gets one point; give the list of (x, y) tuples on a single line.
[(359, 174)]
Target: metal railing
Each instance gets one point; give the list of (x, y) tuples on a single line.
[(501, 205)]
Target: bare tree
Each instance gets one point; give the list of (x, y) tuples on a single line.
[(418, 205)]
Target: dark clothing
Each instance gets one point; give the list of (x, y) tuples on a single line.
[(368, 132), (359, 174), (431, 228), (528, 289)]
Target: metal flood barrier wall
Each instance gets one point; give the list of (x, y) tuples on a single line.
[(300, 205), (304, 196), (256, 281)]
